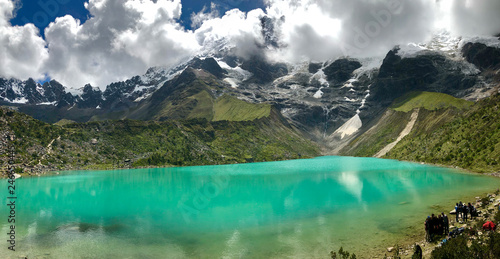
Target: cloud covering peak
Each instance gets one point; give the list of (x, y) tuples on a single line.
[(123, 38)]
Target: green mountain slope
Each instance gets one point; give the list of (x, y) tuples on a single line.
[(429, 101), (436, 109), (385, 131), (125, 143), (232, 109), (195, 94), (471, 141)]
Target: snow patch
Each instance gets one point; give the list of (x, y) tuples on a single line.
[(17, 86), (40, 89), (318, 94), (488, 41), (363, 102), (47, 103), (321, 77), (231, 81), (236, 75), (411, 50), (140, 98), (21, 100), (350, 82), (350, 127), (141, 88)]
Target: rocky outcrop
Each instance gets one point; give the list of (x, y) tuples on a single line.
[(31, 92), (264, 72), (209, 65), (430, 71), (482, 56), (91, 97), (341, 70)]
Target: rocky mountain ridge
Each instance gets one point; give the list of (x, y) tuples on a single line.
[(330, 101)]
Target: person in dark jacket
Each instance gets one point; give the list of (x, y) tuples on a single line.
[(427, 225), (465, 212), (446, 223), (417, 254)]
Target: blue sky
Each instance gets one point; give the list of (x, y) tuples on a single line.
[(41, 15)]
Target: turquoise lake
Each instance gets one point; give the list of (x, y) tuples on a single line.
[(289, 209)]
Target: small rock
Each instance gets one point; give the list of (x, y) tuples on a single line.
[(389, 249), (17, 176), (453, 211), (480, 233)]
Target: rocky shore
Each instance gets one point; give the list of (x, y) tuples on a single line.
[(487, 207)]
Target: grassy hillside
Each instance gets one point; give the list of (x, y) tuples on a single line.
[(436, 109), (471, 141), (428, 101), (195, 94), (232, 109), (125, 143)]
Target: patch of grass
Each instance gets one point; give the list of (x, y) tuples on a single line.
[(204, 106), (428, 100), (64, 122), (232, 109)]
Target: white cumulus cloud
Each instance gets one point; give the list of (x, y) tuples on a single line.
[(120, 40), (22, 50), (123, 38)]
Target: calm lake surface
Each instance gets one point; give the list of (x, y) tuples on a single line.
[(290, 209)]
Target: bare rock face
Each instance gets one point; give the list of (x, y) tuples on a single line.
[(341, 70), (482, 56), (430, 71)]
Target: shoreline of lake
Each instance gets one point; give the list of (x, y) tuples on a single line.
[(53, 172)]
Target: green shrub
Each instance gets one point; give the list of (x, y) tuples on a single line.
[(342, 254)]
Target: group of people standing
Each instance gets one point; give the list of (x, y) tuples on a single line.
[(436, 225), (440, 225), (463, 210)]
